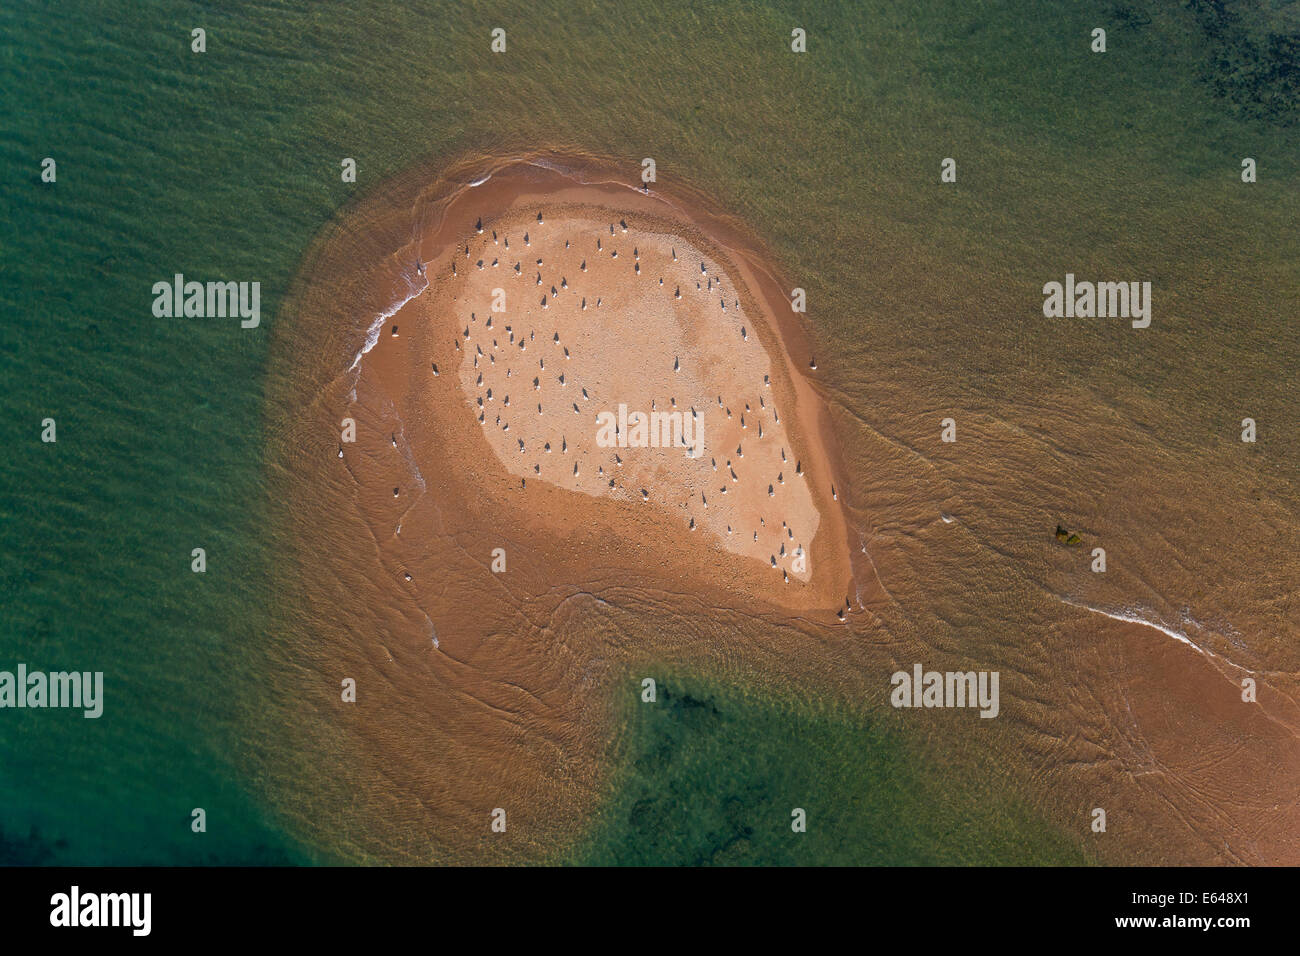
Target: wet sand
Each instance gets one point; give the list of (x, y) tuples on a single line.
[(497, 685), (479, 689), (585, 341)]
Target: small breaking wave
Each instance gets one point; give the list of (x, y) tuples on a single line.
[(377, 324), (1136, 616)]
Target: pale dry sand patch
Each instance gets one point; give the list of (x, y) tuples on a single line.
[(598, 321)]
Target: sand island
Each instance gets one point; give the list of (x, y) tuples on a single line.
[(617, 361), (587, 358), (541, 435), (550, 434)]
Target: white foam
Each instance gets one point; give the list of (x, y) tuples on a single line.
[(377, 325), (1135, 616), (412, 466)]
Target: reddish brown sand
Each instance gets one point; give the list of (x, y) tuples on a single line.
[(656, 335), (478, 689)]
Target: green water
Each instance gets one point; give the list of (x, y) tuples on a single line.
[(713, 776), (225, 165)]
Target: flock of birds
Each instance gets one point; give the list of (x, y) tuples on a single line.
[(538, 390)]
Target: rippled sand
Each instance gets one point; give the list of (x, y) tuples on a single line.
[(482, 561), (479, 689)]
